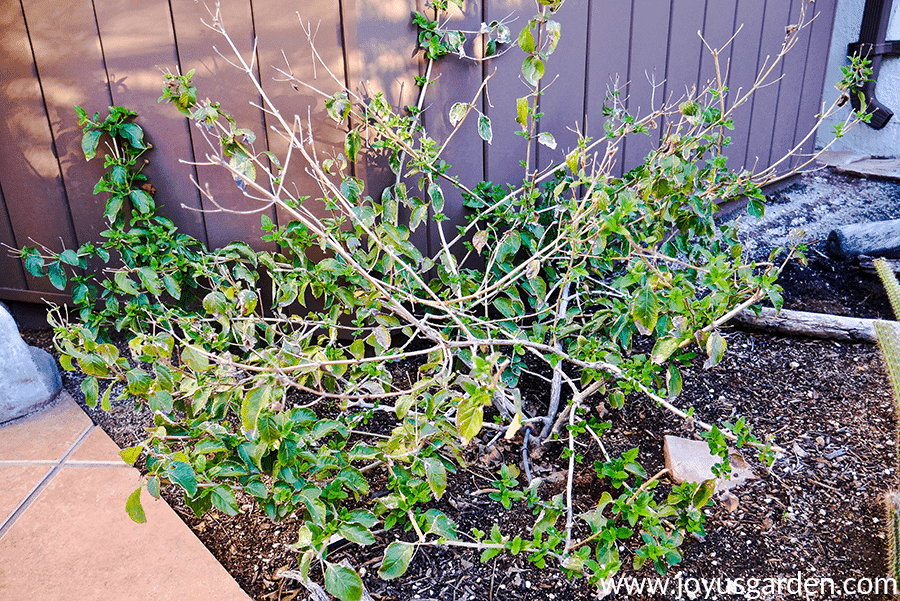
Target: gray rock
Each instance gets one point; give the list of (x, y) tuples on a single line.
[(29, 378), (690, 461)]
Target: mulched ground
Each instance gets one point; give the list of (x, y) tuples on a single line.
[(818, 512)]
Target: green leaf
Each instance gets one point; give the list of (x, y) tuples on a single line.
[(194, 359), (182, 474), (69, 257), (171, 286), (253, 403), (142, 201), (396, 559), (547, 140), (437, 197), (131, 454), (310, 498), (484, 128), (469, 418), (645, 311), (436, 475), (113, 206), (34, 263), (153, 486), (755, 208), (224, 500), (133, 507), (338, 106), (533, 69), (352, 144), (358, 349), (522, 112), (124, 283), (382, 337), (715, 350), (704, 493), (91, 391), (118, 175), (162, 401), (663, 349), (133, 133), (508, 246), (89, 143), (343, 583), (526, 40), (458, 112), (57, 275), (673, 381), (356, 533)]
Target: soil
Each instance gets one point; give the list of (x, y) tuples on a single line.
[(819, 511)]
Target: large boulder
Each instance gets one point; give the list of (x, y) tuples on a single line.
[(29, 378)]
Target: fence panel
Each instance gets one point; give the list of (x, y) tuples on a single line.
[(113, 52)]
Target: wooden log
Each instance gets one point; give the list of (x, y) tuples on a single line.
[(876, 239), (814, 325), (867, 264)]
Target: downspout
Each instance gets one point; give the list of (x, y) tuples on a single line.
[(873, 46)]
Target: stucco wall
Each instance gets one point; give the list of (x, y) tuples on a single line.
[(862, 138)]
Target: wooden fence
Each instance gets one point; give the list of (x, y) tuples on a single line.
[(97, 53)]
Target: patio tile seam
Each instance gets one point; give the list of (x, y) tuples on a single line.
[(40, 486)]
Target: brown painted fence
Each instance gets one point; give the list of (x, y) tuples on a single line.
[(97, 53)]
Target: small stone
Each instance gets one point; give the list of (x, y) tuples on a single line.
[(730, 502), (794, 365), (691, 461)]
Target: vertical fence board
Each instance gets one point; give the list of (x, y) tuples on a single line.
[(787, 109), (76, 76), (457, 81), (221, 82), (12, 273), (29, 170), (608, 59), (564, 83), (280, 35), (381, 58), (507, 85), (718, 27), (138, 42), (814, 75), (682, 64), (646, 74), (742, 74), (766, 99)]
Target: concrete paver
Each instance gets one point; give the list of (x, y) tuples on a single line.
[(16, 483), (64, 532), (46, 435)]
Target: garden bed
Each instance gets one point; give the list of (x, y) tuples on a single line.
[(818, 511)]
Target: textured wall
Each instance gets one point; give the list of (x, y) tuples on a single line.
[(863, 139)]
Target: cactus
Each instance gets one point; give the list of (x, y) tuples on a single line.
[(888, 333), (892, 503)]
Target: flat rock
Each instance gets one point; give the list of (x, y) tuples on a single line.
[(841, 158), (690, 461), (29, 378), (887, 168)]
